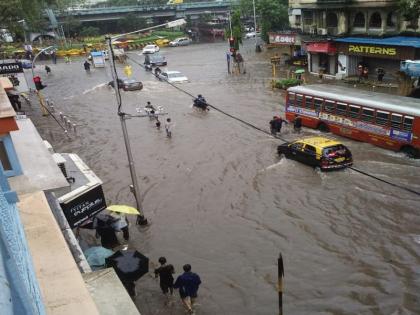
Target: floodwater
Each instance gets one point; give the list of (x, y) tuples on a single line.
[(218, 197)]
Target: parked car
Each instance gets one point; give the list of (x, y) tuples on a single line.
[(150, 49), (182, 41), (172, 76), (26, 63), (320, 152), (154, 60), (127, 84)]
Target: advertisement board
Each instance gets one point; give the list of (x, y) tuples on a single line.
[(14, 71), (84, 206)]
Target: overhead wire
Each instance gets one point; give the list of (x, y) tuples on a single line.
[(276, 136)]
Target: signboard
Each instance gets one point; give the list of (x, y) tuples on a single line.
[(376, 51), (282, 39), (302, 111), (400, 135), (10, 68), (84, 206), (14, 71)]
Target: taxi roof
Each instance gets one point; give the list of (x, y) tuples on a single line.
[(319, 141)]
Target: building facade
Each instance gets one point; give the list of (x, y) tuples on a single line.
[(342, 35)]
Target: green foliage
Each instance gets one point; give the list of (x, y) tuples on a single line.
[(410, 9), (272, 14), (237, 28), (131, 22), (89, 31), (286, 83)]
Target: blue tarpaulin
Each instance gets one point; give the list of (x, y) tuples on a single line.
[(390, 41), (411, 68)]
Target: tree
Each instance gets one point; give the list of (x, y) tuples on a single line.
[(410, 9), (13, 12), (89, 31), (272, 14), (237, 28), (131, 22)]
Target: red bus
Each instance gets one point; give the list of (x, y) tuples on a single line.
[(388, 121)]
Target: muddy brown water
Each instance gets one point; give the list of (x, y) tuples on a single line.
[(218, 197)]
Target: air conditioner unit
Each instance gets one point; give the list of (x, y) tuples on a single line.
[(322, 31)]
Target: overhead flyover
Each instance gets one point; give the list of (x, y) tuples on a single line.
[(146, 11)]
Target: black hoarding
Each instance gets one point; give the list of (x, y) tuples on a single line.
[(84, 206), (13, 67)]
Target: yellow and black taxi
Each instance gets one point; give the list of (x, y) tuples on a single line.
[(322, 152)]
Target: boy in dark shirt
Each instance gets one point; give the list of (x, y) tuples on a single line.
[(165, 272)]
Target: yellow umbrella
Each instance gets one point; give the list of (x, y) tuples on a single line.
[(123, 209)]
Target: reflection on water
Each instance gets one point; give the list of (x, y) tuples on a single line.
[(218, 196)]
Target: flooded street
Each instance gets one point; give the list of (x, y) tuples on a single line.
[(217, 195)]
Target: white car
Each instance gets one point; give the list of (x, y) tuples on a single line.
[(182, 41), (250, 35), (173, 76), (150, 49)]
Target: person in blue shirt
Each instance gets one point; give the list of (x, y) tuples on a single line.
[(188, 284)]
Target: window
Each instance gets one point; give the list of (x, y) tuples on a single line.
[(375, 20), (308, 101), (408, 123), (382, 118), (318, 102), (299, 100), (297, 19), (367, 114), (359, 20), (8, 158), (291, 100), (332, 20), (396, 121), (329, 106), (391, 19), (310, 150), (4, 158), (341, 109), (297, 146), (307, 17), (354, 111)]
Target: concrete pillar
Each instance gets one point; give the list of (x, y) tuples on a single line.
[(343, 23), (383, 22), (367, 17)]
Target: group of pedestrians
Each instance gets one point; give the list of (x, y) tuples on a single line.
[(277, 122), (187, 283), (151, 112)]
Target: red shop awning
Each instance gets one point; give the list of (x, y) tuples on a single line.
[(321, 47)]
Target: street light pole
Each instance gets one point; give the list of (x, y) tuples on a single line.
[(123, 116), (255, 24)]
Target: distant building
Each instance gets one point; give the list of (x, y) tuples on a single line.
[(358, 24)]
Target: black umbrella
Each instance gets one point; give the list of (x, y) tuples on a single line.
[(129, 265)]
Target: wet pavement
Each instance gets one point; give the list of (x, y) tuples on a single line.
[(218, 197)]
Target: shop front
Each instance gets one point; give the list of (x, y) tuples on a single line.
[(289, 44), (374, 54), (322, 58)]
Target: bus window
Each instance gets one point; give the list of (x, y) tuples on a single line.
[(341, 109), (408, 123), (299, 100), (308, 101), (318, 102), (329, 106), (382, 118), (354, 111), (396, 120), (367, 114), (291, 97)]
